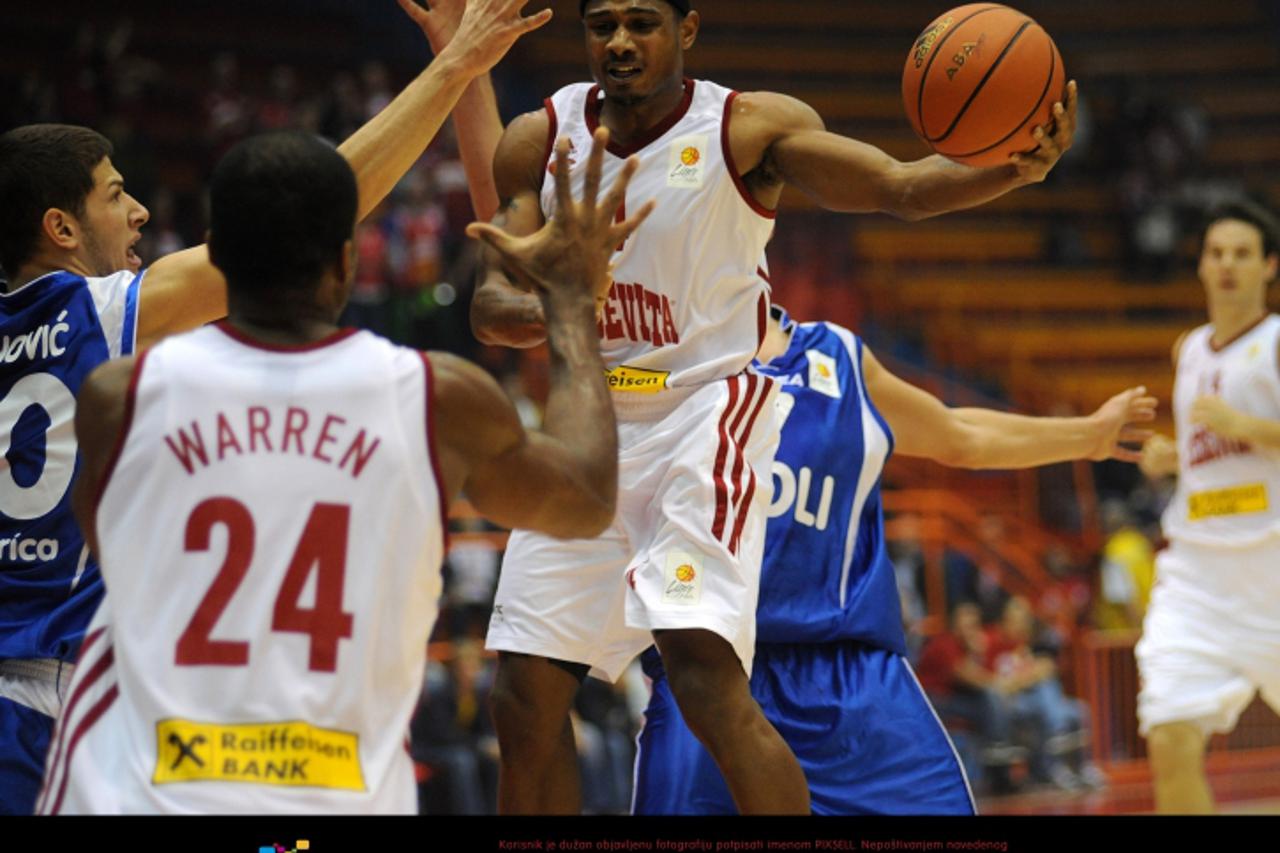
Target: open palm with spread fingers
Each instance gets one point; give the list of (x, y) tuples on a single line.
[(572, 250)]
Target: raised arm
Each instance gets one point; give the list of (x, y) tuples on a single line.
[(562, 480), (984, 438), (503, 311), (778, 140), (183, 290), (475, 117)]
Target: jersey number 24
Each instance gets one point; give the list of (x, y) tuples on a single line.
[(322, 549)]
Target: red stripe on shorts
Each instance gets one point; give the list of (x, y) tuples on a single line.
[(741, 508), (91, 676), (722, 452), (736, 436), (87, 723)]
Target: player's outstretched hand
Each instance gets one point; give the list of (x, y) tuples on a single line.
[(1115, 421), (1159, 457), (481, 35), (1052, 139), (438, 19), (572, 250)]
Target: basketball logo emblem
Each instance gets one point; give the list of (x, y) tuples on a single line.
[(690, 156), (685, 573)]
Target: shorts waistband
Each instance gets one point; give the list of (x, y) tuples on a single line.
[(631, 406), (49, 670)]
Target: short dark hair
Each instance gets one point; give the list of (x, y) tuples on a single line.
[(43, 166), (682, 7), (281, 205), (1251, 212)]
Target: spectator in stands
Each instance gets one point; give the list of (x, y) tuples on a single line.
[(1126, 571), (968, 696), (1050, 723)]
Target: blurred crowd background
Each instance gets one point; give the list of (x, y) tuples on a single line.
[(1022, 594)]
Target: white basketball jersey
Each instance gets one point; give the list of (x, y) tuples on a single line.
[(271, 536), (686, 306), (1228, 492)]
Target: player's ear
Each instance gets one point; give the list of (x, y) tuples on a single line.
[(1273, 266), (61, 228), (689, 30), (347, 262)]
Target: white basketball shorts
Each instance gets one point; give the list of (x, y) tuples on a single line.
[(684, 550), (1211, 637)]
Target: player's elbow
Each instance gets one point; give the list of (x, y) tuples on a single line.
[(960, 447), (590, 515), (492, 328)]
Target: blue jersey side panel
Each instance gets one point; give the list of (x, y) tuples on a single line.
[(827, 575), (53, 337)]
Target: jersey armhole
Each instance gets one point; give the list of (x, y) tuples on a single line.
[(429, 378), (130, 403), (129, 327), (729, 164)]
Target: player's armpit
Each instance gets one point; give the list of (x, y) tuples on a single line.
[(180, 292), (100, 415), (513, 477)]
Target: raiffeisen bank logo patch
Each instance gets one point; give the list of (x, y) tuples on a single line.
[(300, 844)]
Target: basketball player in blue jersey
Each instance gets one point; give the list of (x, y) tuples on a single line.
[(78, 296), (830, 667)]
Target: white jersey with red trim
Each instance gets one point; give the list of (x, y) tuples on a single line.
[(1228, 491), (271, 533), (687, 305)]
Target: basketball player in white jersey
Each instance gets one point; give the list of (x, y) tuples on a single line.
[(268, 497), (77, 295), (679, 326), (1211, 638)]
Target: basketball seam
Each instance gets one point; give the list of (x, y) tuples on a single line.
[(937, 49), (1053, 65), (985, 77)]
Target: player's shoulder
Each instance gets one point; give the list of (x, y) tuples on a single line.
[(774, 109), (832, 338), (1198, 336)]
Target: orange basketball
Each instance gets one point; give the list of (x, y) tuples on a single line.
[(978, 80)]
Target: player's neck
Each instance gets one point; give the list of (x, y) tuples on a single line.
[(269, 324), (42, 265), (777, 341), (627, 120), (1229, 321)]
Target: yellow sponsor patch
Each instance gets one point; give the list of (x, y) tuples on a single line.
[(293, 754), (1238, 500), (637, 380)]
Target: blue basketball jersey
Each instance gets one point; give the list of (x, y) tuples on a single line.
[(53, 331), (827, 576)]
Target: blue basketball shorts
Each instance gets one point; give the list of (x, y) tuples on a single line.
[(24, 740), (866, 737)]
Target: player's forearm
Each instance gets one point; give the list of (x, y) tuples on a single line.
[(503, 316), (386, 147), (579, 411), (1002, 440), (1258, 432), (849, 176), (935, 185), (479, 128)]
